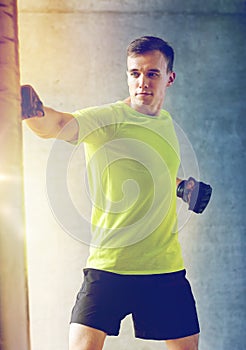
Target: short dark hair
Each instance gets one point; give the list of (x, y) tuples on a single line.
[(150, 43)]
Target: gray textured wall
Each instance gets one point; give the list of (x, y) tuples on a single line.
[(74, 54)]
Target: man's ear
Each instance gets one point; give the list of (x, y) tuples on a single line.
[(171, 78)]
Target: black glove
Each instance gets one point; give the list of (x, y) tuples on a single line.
[(31, 105), (196, 194)]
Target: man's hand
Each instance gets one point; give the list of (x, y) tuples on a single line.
[(31, 105), (196, 194)]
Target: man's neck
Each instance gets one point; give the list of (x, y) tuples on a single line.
[(143, 109)]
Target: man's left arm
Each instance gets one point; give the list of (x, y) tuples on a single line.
[(197, 194)]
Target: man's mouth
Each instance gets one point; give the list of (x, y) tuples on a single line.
[(143, 93)]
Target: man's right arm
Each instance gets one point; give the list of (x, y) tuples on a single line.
[(54, 124), (44, 121)]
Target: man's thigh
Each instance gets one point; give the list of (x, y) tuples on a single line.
[(85, 338), (187, 343), (102, 301), (165, 308)]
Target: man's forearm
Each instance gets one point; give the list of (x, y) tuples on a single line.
[(49, 125), (45, 121)]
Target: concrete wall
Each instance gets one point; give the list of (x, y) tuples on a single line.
[(73, 53)]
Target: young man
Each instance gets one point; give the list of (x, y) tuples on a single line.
[(135, 264)]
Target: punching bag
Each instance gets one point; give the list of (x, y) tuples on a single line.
[(14, 321)]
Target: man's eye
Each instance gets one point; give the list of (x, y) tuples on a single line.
[(135, 74), (153, 75)]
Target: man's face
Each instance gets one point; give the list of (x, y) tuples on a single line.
[(148, 80)]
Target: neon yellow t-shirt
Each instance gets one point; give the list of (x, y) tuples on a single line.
[(132, 161)]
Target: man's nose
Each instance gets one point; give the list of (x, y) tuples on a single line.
[(143, 81)]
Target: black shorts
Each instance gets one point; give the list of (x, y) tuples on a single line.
[(162, 306)]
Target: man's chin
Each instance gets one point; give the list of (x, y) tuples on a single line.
[(142, 100)]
